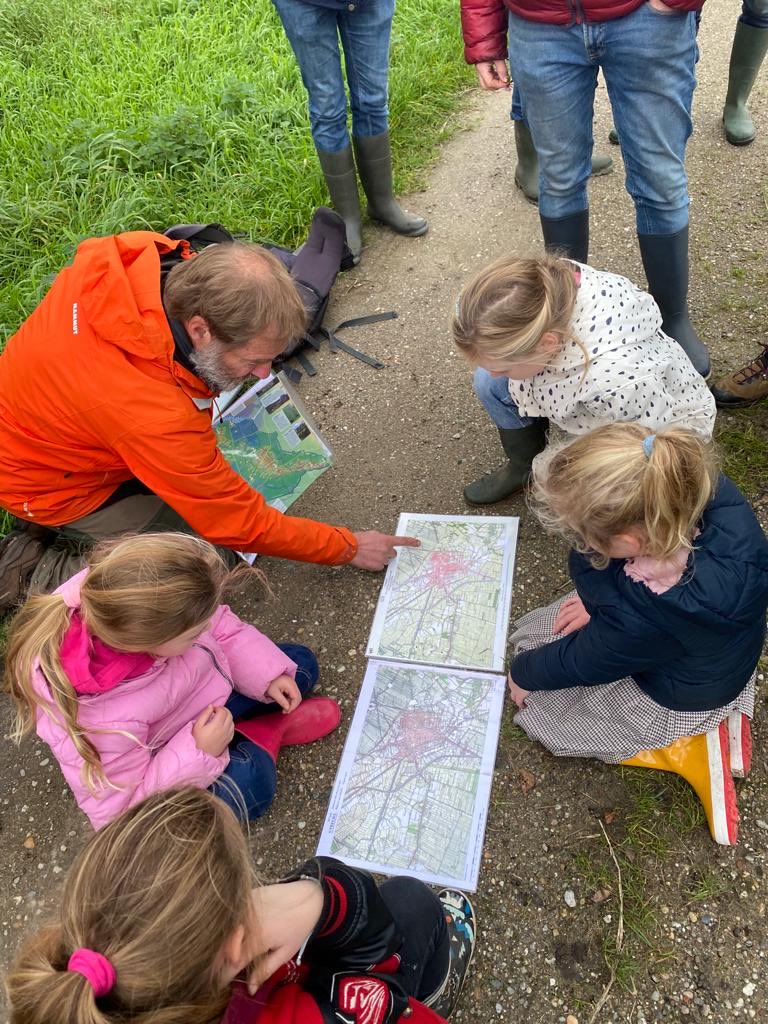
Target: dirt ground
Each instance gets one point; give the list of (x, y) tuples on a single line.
[(408, 437)]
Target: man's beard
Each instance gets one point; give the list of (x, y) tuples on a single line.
[(210, 371)]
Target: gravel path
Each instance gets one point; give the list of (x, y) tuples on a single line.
[(407, 438)]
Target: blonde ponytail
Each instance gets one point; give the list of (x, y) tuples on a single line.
[(157, 892), (622, 477), (37, 631)]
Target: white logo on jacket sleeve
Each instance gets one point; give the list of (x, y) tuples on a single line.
[(366, 999), (74, 318)]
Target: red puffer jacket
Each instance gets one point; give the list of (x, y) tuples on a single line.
[(484, 22)]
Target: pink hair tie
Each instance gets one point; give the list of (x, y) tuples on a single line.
[(95, 968)]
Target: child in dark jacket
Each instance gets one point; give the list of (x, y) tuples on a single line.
[(652, 659), (160, 919)]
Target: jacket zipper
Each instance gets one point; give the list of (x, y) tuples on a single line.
[(216, 664)]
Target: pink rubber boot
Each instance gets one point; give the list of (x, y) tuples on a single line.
[(312, 719)]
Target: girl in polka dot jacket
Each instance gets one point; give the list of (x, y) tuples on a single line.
[(557, 342)]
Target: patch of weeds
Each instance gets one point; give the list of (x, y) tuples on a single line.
[(238, 97), (705, 886), (509, 731), (172, 141), (741, 436)]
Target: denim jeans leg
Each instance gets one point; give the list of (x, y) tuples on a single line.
[(307, 674), (557, 78), (648, 62), (365, 34), (313, 33), (419, 916), (754, 13), (494, 395), (516, 113), (249, 781)]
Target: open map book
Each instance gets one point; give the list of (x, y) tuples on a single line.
[(411, 793), (267, 436)]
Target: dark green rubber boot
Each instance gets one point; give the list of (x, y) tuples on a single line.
[(521, 446), (339, 173), (749, 48), (374, 165), (527, 169), (665, 259)]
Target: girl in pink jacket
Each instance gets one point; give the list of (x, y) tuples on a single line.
[(139, 679)]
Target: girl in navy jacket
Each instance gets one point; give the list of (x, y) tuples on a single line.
[(652, 659)]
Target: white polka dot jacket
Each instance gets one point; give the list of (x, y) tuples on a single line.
[(634, 370)]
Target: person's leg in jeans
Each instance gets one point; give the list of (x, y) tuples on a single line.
[(420, 917), (648, 59), (249, 782), (365, 34), (557, 77), (522, 438), (527, 166), (313, 32)]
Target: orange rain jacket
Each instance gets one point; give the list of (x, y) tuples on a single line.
[(90, 396)]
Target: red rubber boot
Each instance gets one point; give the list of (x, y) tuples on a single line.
[(312, 719)]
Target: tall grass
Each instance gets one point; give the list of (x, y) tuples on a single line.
[(118, 116)]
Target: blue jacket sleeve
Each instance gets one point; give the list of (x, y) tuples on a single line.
[(608, 648)]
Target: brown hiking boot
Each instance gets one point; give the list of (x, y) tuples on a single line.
[(744, 386), (20, 551)]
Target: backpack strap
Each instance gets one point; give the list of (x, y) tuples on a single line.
[(335, 344)]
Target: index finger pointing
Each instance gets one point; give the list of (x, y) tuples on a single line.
[(408, 542)]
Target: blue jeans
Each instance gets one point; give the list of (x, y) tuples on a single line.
[(313, 33), (250, 778), (755, 13), (494, 395), (648, 62)]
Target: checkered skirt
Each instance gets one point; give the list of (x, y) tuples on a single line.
[(612, 722)]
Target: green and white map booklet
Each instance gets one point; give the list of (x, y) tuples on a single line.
[(412, 789), (268, 438)]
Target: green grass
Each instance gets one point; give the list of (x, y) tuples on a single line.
[(121, 116), (660, 809), (743, 440)]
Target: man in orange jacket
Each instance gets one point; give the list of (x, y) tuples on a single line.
[(105, 399)]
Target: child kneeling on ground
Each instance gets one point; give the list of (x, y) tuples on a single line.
[(661, 639), (556, 342), (134, 673), (160, 920)]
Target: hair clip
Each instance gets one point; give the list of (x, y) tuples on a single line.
[(648, 445)]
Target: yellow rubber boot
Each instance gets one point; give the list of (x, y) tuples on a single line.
[(704, 762)]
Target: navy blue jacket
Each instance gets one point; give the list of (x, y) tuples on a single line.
[(692, 648)]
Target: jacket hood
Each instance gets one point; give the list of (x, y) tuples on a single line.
[(726, 578), (119, 286)]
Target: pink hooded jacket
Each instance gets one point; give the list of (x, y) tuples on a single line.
[(146, 744)]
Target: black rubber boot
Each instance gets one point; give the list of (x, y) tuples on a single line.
[(374, 165), (521, 446), (339, 173), (750, 45), (567, 235), (665, 259), (527, 169)]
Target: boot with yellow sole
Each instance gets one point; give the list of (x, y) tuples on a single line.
[(704, 761)]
